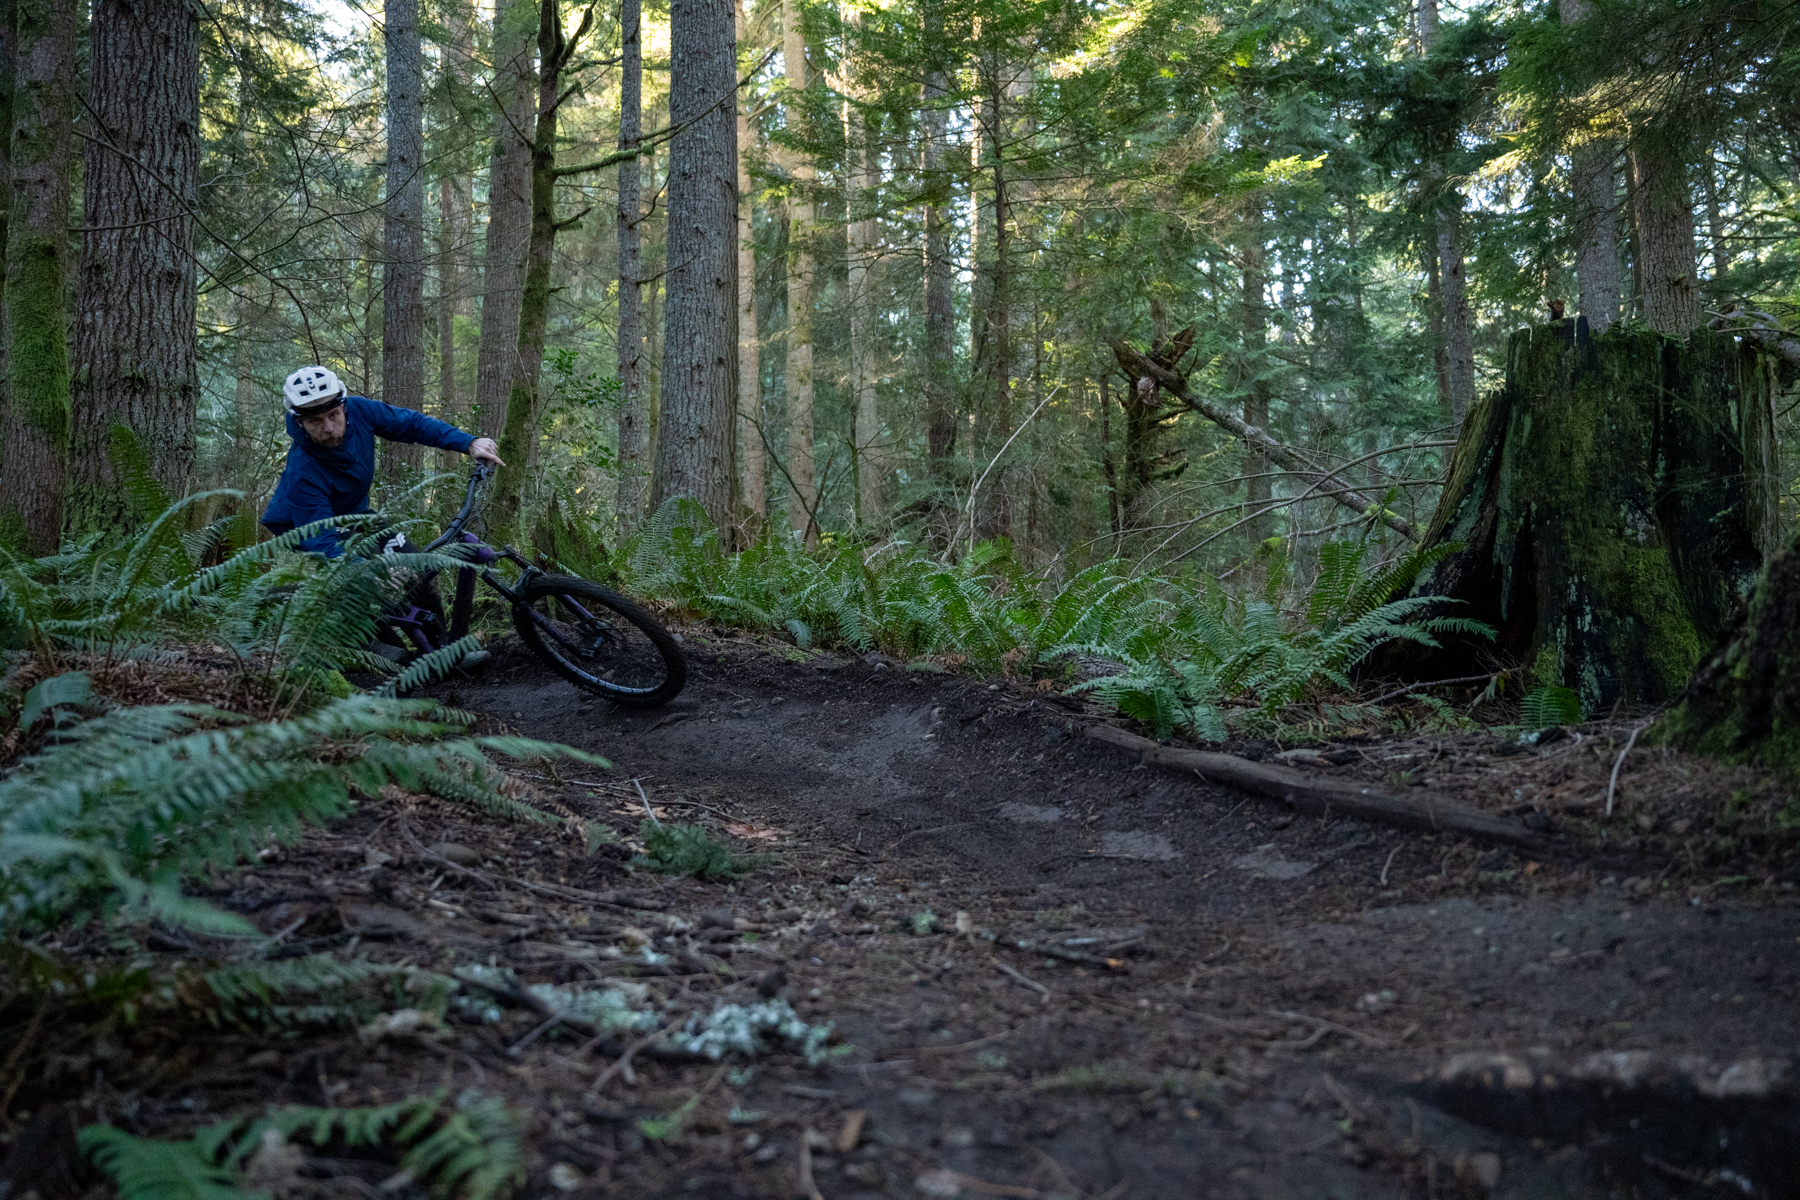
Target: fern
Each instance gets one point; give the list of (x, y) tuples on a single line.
[(336, 992), (111, 817), (1544, 707), (470, 1148), (677, 849)]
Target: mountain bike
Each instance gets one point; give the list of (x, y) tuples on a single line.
[(590, 635)]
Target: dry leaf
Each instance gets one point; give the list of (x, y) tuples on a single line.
[(761, 833)]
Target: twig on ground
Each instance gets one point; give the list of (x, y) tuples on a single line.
[(648, 811), (1413, 687), (1612, 785), (622, 1064), (550, 1022), (807, 1187), (1366, 1038), (1019, 975), (1387, 864), (555, 890)]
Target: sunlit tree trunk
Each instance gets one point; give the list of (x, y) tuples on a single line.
[(1665, 224), (698, 418), (991, 318), (509, 209), (403, 233), (455, 225), (1596, 215), (634, 404), (803, 495), (135, 342), (34, 426), (753, 486)]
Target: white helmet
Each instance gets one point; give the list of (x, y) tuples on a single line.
[(311, 389)]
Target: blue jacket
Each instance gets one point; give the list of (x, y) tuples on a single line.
[(318, 483)]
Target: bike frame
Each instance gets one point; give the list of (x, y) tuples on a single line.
[(415, 622)]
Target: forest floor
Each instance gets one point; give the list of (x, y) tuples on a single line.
[(1050, 972)]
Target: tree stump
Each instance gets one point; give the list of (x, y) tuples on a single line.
[(1743, 706), (1613, 503)]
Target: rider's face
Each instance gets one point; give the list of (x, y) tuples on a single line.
[(326, 429)]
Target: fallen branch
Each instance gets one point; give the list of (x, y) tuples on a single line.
[(616, 899), (1140, 366), (1612, 785), (1311, 795)]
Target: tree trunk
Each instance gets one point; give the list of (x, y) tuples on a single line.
[(519, 432), (1258, 486), (940, 308), (34, 428), (1611, 505), (699, 397), (634, 405), (803, 497), (403, 232), (1743, 705), (1665, 223), (871, 451), (509, 210), (455, 225), (1596, 215), (135, 341), (754, 487), (1458, 344), (991, 315)]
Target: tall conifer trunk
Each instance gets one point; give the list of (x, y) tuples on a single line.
[(753, 480), (1255, 320), (1596, 215), (803, 497), (1453, 285), (509, 209), (698, 417), (519, 432), (34, 426), (403, 229), (860, 180), (940, 311), (991, 315), (634, 404), (455, 223), (1665, 226), (135, 341)]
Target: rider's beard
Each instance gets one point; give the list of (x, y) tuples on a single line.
[(331, 442)]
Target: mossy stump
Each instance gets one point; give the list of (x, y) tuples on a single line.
[(1613, 501), (1743, 705)]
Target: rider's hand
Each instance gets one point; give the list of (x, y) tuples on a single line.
[(484, 450)]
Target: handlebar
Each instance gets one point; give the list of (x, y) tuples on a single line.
[(477, 477)]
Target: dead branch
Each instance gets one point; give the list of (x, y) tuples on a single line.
[(1141, 366), (1311, 795)]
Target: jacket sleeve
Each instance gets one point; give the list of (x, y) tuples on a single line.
[(406, 425), (307, 501)]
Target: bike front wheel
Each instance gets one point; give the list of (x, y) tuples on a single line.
[(600, 641)]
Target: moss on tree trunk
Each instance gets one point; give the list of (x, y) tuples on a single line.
[(1613, 505), (1743, 705)]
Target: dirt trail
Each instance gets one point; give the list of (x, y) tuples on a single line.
[(1305, 1008)]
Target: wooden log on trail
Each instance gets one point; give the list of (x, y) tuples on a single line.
[(1612, 504), (1315, 796)]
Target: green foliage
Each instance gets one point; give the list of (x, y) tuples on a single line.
[(677, 849), (319, 989), (110, 817), (1543, 707), (470, 1148)]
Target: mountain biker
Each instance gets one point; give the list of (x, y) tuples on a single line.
[(331, 456)]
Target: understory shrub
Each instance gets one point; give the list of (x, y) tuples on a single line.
[(1171, 651)]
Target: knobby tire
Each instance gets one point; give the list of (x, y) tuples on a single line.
[(632, 641)]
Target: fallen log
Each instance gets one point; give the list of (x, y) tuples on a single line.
[(1311, 795)]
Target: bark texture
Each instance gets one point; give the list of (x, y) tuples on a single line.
[(519, 432), (509, 209), (403, 229), (1664, 214), (135, 341), (1743, 705), (752, 470), (871, 449), (34, 428), (634, 402), (1596, 214), (1611, 505), (1456, 355), (940, 309), (1254, 319), (803, 496), (990, 323), (699, 397)]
